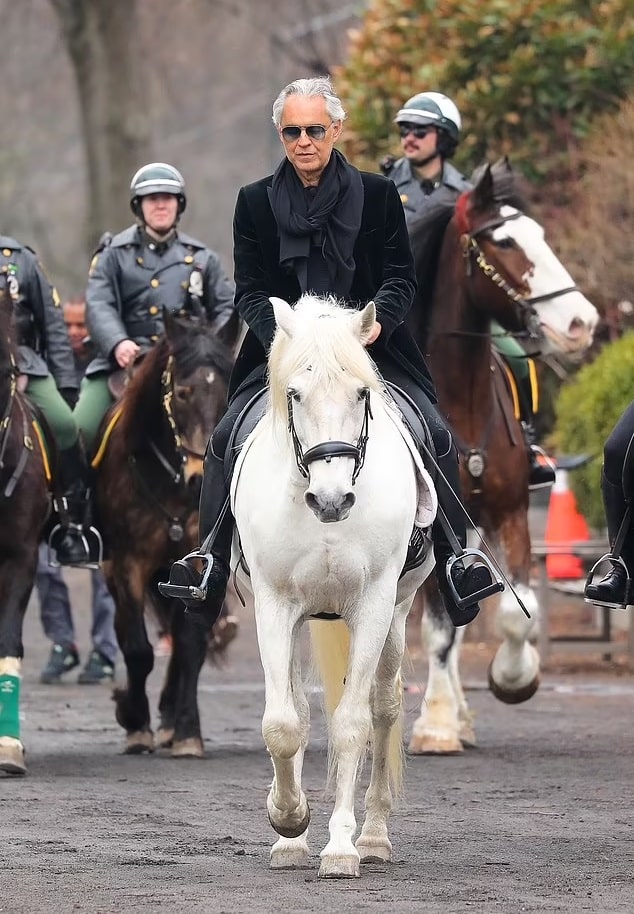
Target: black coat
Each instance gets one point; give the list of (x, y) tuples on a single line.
[(384, 274)]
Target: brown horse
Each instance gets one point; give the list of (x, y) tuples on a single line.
[(147, 486), (24, 506), (484, 259)]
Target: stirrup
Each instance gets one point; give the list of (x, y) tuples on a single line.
[(545, 461), (496, 585), (91, 540), (188, 591), (613, 560)]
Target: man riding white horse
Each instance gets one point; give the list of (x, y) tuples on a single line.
[(320, 225)]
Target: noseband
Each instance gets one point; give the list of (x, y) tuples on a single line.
[(471, 249), (329, 449)]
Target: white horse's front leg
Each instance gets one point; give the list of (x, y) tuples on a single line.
[(436, 730), (284, 724), (350, 730), (373, 843), (514, 671)]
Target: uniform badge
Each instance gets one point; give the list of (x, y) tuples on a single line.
[(12, 282), (404, 198), (196, 283)]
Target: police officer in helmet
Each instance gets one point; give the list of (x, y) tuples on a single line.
[(429, 125), (136, 274)]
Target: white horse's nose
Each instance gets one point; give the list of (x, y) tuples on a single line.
[(329, 507)]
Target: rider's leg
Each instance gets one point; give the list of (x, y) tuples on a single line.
[(213, 500), (611, 589), (467, 580), (94, 401), (70, 545), (540, 475)]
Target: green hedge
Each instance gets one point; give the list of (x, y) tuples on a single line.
[(587, 410)]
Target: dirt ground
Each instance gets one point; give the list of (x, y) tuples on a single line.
[(538, 818)]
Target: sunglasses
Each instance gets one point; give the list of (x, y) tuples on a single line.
[(418, 130), (313, 132)]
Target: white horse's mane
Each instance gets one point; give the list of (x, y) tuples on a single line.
[(324, 341)]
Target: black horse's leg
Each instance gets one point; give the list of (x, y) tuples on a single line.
[(16, 581), (189, 650), (132, 707)]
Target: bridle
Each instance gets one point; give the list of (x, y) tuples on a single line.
[(326, 450), (472, 251)]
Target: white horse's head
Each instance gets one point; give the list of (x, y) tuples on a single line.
[(566, 318), (320, 379)]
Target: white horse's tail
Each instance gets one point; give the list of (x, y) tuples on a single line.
[(330, 648)]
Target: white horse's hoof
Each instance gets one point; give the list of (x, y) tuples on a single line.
[(374, 850), (339, 866), (468, 736), (188, 748), (286, 825), (138, 742), (12, 756), (290, 854)]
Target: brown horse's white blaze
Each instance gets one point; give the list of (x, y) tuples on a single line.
[(494, 264)]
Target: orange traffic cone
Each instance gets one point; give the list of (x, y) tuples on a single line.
[(564, 525)]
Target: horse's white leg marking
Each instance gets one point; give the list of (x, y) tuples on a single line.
[(437, 729), (11, 748), (514, 671), (351, 725), (373, 843), (466, 730), (285, 722)]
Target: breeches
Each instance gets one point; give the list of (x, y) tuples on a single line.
[(616, 447), (45, 395), (94, 401)]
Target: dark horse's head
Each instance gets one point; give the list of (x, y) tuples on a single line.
[(178, 394)]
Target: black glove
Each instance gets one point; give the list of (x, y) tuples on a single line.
[(70, 395)]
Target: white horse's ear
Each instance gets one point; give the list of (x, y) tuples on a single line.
[(365, 320), (284, 315)]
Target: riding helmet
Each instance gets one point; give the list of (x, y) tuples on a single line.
[(157, 178)]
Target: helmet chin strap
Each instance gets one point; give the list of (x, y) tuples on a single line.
[(159, 236)]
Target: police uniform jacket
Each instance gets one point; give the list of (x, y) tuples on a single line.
[(413, 198), (43, 344), (384, 273), (133, 278)]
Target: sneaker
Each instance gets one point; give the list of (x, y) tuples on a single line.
[(97, 669), (63, 659)]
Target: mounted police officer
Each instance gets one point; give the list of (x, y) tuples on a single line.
[(45, 357), (133, 277), (429, 125)]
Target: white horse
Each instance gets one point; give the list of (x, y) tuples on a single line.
[(325, 494)]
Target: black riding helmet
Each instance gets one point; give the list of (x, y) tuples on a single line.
[(157, 178)]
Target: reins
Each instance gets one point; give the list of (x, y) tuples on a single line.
[(5, 427)]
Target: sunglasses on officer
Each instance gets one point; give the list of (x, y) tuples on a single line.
[(313, 132), (419, 130)]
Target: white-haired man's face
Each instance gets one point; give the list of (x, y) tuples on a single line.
[(308, 154)]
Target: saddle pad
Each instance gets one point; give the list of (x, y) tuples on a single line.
[(427, 505)]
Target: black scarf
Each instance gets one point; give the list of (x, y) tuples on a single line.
[(331, 218)]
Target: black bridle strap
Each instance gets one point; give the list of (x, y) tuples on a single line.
[(538, 298), (328, 449)]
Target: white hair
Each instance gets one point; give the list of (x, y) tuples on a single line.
[(315, 86)]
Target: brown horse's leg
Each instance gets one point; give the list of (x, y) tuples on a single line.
[(514, 671), (437, 729), (190, 645), (126, 581)]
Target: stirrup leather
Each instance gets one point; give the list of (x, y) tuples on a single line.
[(189, 591), (496, 585)]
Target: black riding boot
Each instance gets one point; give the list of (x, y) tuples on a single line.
[(211, 581), (611, 590), (69, 540), (540, 475), (467, 580)]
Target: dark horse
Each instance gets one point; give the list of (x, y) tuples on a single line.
[(24, 506), (479, 260), (149, 473)]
